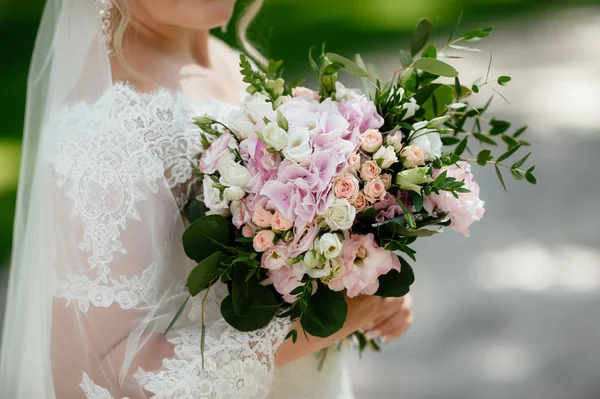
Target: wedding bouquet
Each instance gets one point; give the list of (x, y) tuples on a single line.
[(308, 196)]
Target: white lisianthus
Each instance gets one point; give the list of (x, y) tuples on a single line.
[(428, 140), (314, 266), (234, 193), (386, 157), (340, 215), (274, 136), (257, 107), (234, 174), (336, 269), (411, 108), (240, 124), (298, 147), (395, 140), (437, 122), (329, 245), (212, 198)]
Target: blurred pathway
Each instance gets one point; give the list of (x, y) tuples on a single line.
[(514, 311)]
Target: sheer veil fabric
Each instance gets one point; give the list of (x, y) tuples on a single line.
[(97, 267)]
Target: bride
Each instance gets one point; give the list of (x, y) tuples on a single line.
[(98, 269)]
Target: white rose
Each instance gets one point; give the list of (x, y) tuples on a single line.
[(315, 268), (340, 216), (240, 124), (329, 245), (386, 157), (274, 136), (395, 140), (212, 198), (412, 156), (234, 193), (298, 147), (428, 140), (234, 174), (257, 107), (411, 108)]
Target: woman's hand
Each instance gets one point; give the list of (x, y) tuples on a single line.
[(393, 320), (379, 317)]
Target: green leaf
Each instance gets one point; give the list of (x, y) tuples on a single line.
[(177, 315), (348, 65), (204, 274), (206, 236), (325, 314), (430, 52), (194, 210), (436, 105), (420, 36), (510, 141), (460, 148), (519, 132), (503, 80), (521, 162), (456, 27), (396, 284), (530, 178), (471, 34), (405, 58), (417, 202), (498, 126), (449, 140), (332, 68), (499, 175), (508, 153), (475, 89), (240, 295), (263, 309), (293, 334), (394, 227), (483, 138), (436, 67), (483, 157), (311, 60), (368, 216)]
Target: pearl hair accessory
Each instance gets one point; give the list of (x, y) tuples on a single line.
[(104, 7)]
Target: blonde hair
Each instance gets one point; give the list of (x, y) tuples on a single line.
[(123, 16)]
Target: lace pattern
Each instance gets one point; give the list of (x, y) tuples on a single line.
[(93, 391), (237, 365)]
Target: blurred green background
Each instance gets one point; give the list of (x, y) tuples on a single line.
[(286, 30)]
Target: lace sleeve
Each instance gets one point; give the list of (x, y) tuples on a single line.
[(121, 269)]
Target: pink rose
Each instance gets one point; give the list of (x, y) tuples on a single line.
[(346, 187), (412, 156), (263, 240), (387, 180), (248, 231), (360, 202), (370, 170), (275, 257), (262, 218), (285, 280), (280, 222), (363, 263), (375, 190), (465, 209), (354, 163), (306, 93), (371, 140)]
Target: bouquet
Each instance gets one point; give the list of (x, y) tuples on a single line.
[(310, 195)]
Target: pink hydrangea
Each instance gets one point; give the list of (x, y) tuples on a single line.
[(363, 263), (465, 209)]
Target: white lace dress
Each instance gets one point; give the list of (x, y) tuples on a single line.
[(118, 174)]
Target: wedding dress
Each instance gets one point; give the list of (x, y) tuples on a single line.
[(106, 172)]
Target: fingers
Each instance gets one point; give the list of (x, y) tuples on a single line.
[(394, 321)]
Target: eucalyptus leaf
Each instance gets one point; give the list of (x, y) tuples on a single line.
[(204, 237), (508, 153), (348, 65), (325, 314), (204, 274), (500, 178), (263, 309), (436, 67), (460, 148), (520, 162), (483, 157), (405, 58), (420, 36), (430, 52), (485, 139), (396, 284)]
